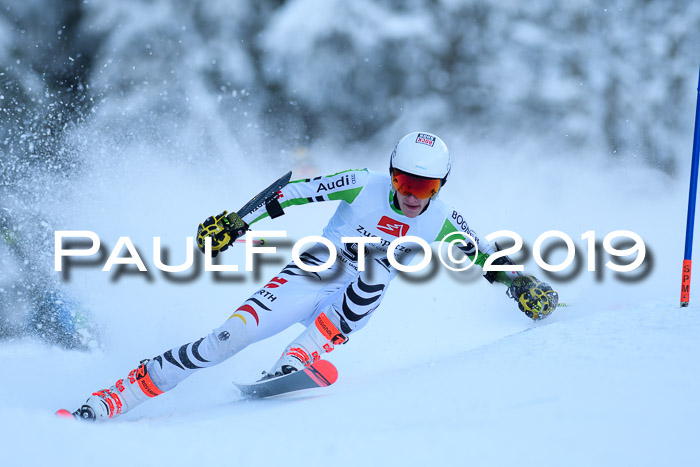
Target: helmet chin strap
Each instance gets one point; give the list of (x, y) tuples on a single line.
[(395, 199)]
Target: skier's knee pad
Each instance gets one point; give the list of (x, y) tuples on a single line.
[(226, 341), (361, 297)]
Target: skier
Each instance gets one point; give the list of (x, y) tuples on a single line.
[(32, 301), (335, 302)]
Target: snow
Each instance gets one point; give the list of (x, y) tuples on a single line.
[(193, 108), (447, 372)]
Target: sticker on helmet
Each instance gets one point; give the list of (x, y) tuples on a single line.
[(425, 138)]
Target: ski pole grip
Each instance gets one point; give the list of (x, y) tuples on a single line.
[(235, 223)]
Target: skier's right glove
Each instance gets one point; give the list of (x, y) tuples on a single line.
[(223, 229), (535, 298)]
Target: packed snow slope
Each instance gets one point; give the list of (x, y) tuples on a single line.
[(447, 372)]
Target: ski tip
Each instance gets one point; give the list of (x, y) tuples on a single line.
[(325, 372), (63, 413)]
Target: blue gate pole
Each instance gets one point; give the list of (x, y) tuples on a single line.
[(687, 258)]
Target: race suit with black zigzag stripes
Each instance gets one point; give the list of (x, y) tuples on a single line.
[(332, 303)]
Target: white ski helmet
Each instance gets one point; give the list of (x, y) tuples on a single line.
[(422, 154)]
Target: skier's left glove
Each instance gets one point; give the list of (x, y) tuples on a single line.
[(535, 298), (223, 229)]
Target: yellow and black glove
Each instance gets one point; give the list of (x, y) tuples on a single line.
[(223, 229), (535, 298)]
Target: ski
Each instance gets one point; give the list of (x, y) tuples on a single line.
[(319, 374), (63, 413)]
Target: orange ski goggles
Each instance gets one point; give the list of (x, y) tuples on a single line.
[(420, 187)]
